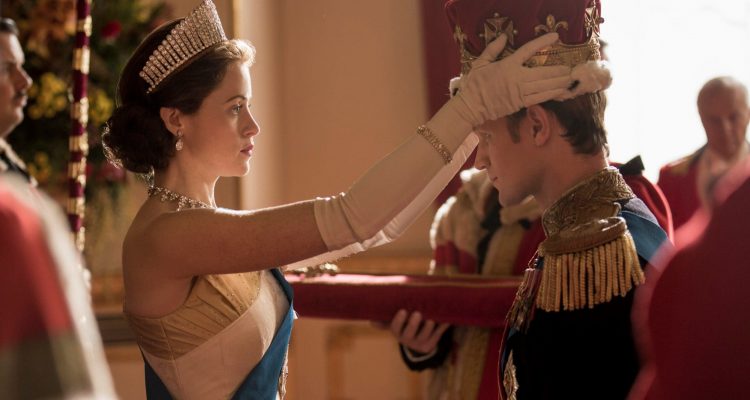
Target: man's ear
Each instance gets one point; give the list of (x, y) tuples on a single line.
[(172, 118), (540, 123)]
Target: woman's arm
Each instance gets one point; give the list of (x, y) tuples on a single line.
[(198, 242), (376, 209)]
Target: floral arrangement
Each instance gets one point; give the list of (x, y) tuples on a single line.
[(47, 30)]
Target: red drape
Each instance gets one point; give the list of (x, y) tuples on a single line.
[(441, 64)]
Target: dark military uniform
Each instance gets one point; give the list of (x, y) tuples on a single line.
[(569, 333)]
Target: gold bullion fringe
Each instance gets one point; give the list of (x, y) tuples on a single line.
[(574, 281)]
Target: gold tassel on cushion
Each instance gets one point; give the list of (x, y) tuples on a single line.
[(590, 268)]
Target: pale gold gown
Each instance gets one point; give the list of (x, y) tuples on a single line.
[(207, 347)]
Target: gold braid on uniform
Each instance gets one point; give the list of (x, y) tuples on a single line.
[(589, 255)]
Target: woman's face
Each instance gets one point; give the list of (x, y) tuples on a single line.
[(219, 136)]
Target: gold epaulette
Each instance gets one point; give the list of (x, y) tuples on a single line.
[(588, 265)]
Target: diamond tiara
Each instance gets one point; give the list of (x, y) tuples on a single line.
[(197, 32)]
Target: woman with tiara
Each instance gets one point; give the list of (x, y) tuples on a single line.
[(211, 313)]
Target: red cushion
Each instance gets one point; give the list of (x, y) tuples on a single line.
[(456, 299)]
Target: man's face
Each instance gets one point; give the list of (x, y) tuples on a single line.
[(725, 116), (13, 83), (508, 162)]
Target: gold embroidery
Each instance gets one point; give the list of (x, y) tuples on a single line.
[(557, 54), (552, 26), (564, 54), (493, 28), (281, 386), (521, 310), (593, 19), (589, 255), (510, 381), (570, 284), (591, 200), (466, 57), (497, 25)]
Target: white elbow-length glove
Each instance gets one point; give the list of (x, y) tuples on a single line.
[(390, 196)]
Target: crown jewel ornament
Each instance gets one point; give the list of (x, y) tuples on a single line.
[(196, 33), (477, 22)]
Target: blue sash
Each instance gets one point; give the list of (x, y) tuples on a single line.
[(263, 380), (648, 236)]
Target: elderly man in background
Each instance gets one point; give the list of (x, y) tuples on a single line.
[(724, 112), (14, 81)]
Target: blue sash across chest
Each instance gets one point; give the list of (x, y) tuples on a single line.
[(263, 381)]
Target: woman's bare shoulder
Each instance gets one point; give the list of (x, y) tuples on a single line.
[(158, 234), (182, 244), (141, 236)]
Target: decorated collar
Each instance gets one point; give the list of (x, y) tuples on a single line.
[(594, 199)]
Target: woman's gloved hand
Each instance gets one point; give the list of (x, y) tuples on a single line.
[(492, 90)]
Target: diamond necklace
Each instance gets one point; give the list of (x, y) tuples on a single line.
[(183, 201)]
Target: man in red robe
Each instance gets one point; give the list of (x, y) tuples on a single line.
[(49, 342), (724, 111)]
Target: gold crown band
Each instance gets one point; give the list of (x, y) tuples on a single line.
[(563, 54), (557, 54), (197, 32)]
